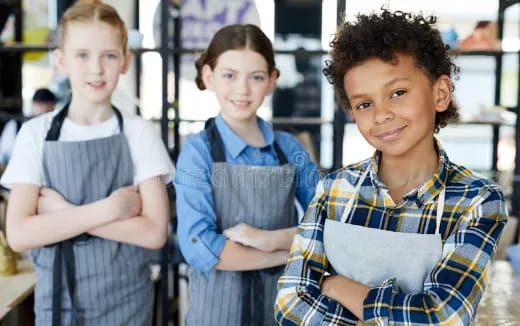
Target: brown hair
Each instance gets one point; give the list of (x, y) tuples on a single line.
[(234, 37), (384, 36), (93, 11)]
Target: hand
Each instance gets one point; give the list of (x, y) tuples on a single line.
[(51, 201), (125, 202), (360, 323), (327, 285), (250, 236)]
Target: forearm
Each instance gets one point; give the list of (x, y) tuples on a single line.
[(150, 228), (236, 257), (139, 230), (43, 229), (283, 238), (350, 294)]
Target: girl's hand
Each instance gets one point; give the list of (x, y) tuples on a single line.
[(125, 202), (50, 201), (250, 236)]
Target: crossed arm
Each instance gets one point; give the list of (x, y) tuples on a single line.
[(38, 217)]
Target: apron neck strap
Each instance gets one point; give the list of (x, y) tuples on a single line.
[(440, 210), (350, 203), (215, 141), (217, 145), (57, 122)]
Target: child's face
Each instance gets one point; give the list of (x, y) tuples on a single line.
[(92, 57), (394, 104), (240, 81)]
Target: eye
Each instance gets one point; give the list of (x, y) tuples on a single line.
[(258, 77), (363, 106), (82, 55), (228, 75), (111, 56), (398, 93)]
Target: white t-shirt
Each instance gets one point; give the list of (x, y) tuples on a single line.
[(148, 152)]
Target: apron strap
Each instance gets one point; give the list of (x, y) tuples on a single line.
[(63, 254), (217, 145), (57, 122), (252, 294), (56, 287), (440, 210), (281, 156), (350, 202)]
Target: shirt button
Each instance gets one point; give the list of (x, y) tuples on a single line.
[(193, 240), (257, 152)]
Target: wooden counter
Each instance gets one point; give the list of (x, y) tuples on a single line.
[(15, 288)]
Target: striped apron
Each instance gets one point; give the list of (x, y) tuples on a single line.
[(89, 280), (262, 196)]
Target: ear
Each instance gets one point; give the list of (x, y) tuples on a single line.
[(207, 77), (60, 60), (126, 62), (442, 93), (273, 77)]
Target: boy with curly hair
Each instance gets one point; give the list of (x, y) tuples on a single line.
[(405, 237)]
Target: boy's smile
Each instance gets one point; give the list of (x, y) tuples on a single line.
[(394, 104)]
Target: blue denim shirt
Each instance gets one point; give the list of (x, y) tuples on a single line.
[(199, 241)]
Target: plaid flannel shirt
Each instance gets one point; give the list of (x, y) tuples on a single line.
[(474, 215)]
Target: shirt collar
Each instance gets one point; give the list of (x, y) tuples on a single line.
[(233, 144), (428, 190)]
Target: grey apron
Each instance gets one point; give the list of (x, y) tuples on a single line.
[(371, 256), (88, 280), (262, 196)]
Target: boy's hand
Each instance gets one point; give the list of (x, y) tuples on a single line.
[(250, 236), (125, 202), (51, 201)]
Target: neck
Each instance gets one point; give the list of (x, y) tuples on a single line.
[(84, 113), (401, 174), (248, 130)]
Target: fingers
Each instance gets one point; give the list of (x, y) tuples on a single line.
[(48, 192)]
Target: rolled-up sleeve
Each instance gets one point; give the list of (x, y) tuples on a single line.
[(455, 286), (199, 241), (300, 300)]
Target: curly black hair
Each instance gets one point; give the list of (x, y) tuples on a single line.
[(384, 36)]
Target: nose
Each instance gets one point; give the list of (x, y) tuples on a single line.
[(96, 66), (243, 86), (383, 113)]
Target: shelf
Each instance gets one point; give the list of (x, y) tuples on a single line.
[(509, 3), (278, 120), (489, 53), (22, 47)]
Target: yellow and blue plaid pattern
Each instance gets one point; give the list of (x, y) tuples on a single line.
[(474, 215)]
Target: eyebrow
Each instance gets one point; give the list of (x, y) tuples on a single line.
[(388, 83), (252, 72), (395, 80)]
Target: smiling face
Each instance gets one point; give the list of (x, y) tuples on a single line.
[(93, 58), (394, 104), (241, 81)]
